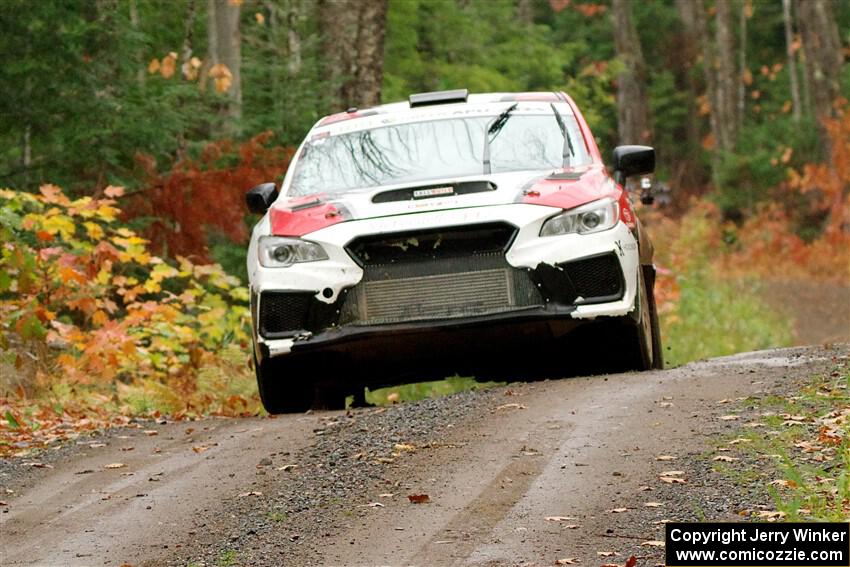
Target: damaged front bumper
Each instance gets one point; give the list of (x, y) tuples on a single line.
[(540, 282)]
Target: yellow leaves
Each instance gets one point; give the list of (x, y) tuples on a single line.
[(153, 66), (222, 76), (59, 224), (260, 18), (94, 230)]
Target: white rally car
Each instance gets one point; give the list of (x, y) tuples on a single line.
[(446, 234)]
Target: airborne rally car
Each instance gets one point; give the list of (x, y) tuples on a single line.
[(420, 234)]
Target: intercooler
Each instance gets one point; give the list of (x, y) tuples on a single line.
[(445, 274)]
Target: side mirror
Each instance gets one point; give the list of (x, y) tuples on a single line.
[(261, 197), (632, 160)]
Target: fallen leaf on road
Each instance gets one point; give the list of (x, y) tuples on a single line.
[(97, 445), (418, 498), (644, 488), (618, 510), (384, 460), (665, 458), (114, 466), (567, 561), (672, 480), (128, 448), (606, 553), (730, 417), (652, 543), (559, 518), (740, 440), (725, 459), (672, 473), (375, 505), (510, 406), (37, 465), (252, 493), (386, 495), (286, 468), (151, 432), (653, 504), (666, 404), (771, 515), (405, 447), (631, 561), (784, 483), (202, 448), (3, 503)]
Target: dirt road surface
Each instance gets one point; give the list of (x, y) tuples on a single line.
[(331, 488)]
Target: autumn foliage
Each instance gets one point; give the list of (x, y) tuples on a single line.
[(85, 305), (203, 194)]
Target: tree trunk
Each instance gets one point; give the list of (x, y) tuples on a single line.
[(792, 60), (293, 37), (525, 12), (726, 84), (353, 34), (693, 17), (685, 57), (135, 23), (370, 53), (823, 58), (225, 49), (746, 8), (632, 106)]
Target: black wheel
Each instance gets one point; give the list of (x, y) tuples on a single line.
[(283, 386), (657, 350), (646, 326)]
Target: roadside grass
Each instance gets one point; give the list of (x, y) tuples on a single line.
[(800, 447), (226, 558), (425, 390), (715, 317)]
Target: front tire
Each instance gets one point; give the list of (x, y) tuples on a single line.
[(648, 353), (283, 386)]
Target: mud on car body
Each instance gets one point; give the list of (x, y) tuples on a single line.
[(421, 234)]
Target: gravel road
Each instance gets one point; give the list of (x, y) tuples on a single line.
[(331, 488)]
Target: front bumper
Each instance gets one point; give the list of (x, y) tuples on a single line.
[(545, 262)]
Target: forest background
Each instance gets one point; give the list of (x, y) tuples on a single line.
[(130, 130)]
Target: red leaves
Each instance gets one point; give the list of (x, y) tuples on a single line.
[(198, 194), (418, 498)]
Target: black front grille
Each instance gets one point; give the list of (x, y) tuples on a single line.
[(596, 278), (283, 312), (436, 274)]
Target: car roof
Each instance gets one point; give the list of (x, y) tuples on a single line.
[(479, 103)]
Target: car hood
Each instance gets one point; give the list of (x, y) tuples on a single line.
[(564, 189)]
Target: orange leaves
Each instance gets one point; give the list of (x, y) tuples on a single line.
[(222, 77), (206, 193)]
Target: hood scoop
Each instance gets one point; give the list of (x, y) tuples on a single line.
[(432, 191)]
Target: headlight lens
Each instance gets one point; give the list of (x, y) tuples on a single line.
[(593, 217), (278, 252)]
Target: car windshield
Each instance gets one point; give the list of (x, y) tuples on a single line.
[(419, 151)]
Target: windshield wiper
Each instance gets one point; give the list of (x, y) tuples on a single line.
[(567, 152), (493, 129)]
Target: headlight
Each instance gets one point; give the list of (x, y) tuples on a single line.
[(593, 217), (277, 252)]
